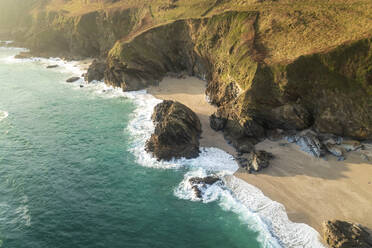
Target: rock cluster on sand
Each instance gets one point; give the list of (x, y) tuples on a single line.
[(177, 132), (199, 184), (96, 71), (342, 234), (255, 161), (320, 144)]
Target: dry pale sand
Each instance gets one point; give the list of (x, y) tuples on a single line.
[(312, 190), (191, 92), (315, 190)]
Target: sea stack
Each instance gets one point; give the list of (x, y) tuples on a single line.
[(177, 132)]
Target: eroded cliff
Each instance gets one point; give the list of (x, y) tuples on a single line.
[(272, 64), (330, 91)]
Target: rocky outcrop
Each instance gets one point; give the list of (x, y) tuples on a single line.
[(342, 234), (252, 96), (96, 71), (258, 79), (309, 142), (319, 144), (177, 132), (217, 123), (255, 161)]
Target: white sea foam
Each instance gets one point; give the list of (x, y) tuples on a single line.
[(3, 115), (260, 213), (6, 42), (68, 67)]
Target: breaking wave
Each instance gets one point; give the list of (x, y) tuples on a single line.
[(259, 212), (256, 210), (3, 115)]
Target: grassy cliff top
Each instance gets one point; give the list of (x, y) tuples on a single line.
[(286, 29)]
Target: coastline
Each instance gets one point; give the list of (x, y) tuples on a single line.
[(312, 190), (190, 91), (315, 190)]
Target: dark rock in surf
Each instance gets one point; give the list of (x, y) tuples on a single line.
[(204, 180), (177, 132), (51, 66), (342, 234), (72, 79), (96, 71), (199, 184)]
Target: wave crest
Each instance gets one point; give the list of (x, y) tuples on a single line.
[(3, 115)]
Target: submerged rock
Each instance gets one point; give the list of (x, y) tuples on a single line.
[(255, 161), (177, 132), (96, 71), (72, 79), (342, 234)]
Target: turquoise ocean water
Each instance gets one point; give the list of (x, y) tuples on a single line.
[(73, 174)]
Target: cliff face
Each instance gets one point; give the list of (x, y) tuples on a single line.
[(270, 65), (330, 90), (89, 35)]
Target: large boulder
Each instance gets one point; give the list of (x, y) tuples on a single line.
[(96, 71), (342, 234), (177, 132), (72, 79)]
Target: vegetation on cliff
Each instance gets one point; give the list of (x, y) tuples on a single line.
[(268, 64)]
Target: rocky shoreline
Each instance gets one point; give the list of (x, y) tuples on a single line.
[(311, 142), (317, 98)]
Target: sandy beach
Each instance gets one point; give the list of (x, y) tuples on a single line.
[(312, 190)]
